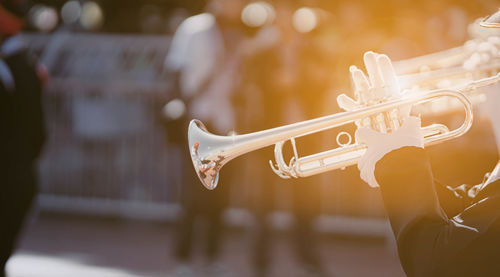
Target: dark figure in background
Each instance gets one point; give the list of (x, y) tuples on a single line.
[(204, 60), (22, 127), (276, 90), (311, 87)]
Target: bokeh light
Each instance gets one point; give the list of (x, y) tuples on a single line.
[(44, 18), (258, 14), (305, 20), (71, 12), (92, 16), (174, 109)]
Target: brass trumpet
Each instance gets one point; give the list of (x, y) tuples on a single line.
[(461, 63), (210, 152)]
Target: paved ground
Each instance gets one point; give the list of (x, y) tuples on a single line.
[(57, 246)]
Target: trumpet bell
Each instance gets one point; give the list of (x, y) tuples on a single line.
[(200, 143)]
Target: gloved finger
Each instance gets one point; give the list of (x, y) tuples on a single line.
[(367, 174), (484, 47), (366, 135), (495, 41), (470, 45), (411, 132), (363, 162), (488, 48), (473, 61), (361, 85), (389, 75), (494, 51), (346, 103), (411, 123), (372, 69), (404, 111), (484, 50)]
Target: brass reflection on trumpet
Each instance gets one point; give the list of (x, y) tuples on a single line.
[(211, 152), (455, 73)]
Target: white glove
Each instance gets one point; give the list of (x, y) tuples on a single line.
[(382, 85), (379, 144)]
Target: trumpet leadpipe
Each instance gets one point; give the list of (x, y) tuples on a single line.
[(431, 77), (475, 85), (443, 59)]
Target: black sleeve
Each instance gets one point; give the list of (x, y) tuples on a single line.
[(429, 244), (453, 200), (26, 105)]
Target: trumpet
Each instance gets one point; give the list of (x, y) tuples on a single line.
[(210, 152), (475, 59)]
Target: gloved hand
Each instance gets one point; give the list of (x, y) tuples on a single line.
[(382, 85), (380, 144)]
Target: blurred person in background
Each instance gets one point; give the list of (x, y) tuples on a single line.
[(316, 53), (204, 59), (276, 88), (21, 124)]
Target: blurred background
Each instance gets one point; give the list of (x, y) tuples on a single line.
[(113, 185)]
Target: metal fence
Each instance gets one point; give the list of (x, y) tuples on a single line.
[(103, 104)]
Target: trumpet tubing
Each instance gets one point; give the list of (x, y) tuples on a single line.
[(474, 60), (431, 77), (443, 59), (210, 152), (346, 155), (451, 58)]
